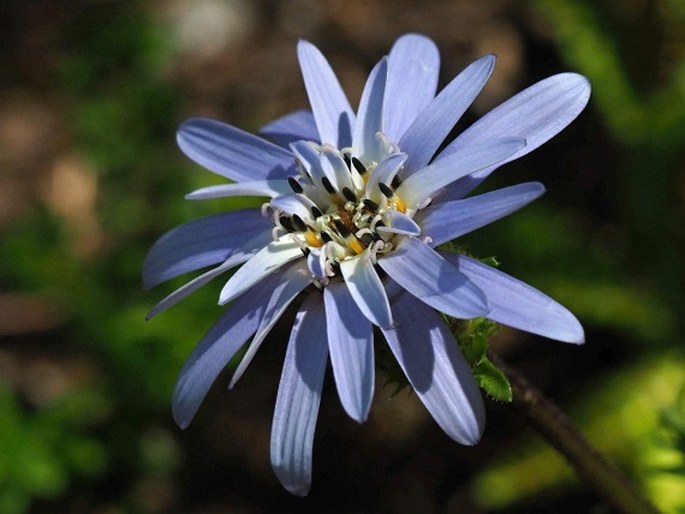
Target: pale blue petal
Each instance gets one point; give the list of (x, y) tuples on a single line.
[(413, 69), (205, 242), (294, 203), (299, 396), (332, 112), (365, 145), (233, 153), (350, 342), (367, 289), (398, 223), (269, 188), (336, 170), (448, 220), (217, 348), (296, 126), (292, 281), (536, 114), (440, 376), (516, 304), (429, 277), (433, 124), (265, 261), (384, 173), (190, 287), (424, 183)]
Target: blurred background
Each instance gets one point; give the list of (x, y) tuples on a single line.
[(91, 93)]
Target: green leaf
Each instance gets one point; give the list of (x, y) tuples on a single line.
[(492, 381)]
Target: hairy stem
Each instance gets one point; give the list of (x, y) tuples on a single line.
[(560, 432)]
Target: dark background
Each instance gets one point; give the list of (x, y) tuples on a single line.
[(91, 93)]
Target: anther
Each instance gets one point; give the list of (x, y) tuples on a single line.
[(306, 251), (327, 184), (298, 223), (341, 228), (316, 212), (385, 190), (367, 239), (396, 182), (295, 185), (348, 194), (286, 223), (348, 161), (359, 166), (325, 237), (370, 205)]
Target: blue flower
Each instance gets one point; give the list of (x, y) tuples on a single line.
[(357, 206)]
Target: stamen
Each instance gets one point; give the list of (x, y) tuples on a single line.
[(295, 185), (306, 251), (385, 190), (287, 223), (348, 161), (298, 224), (348, 194), (327, 184), (361, 169), (370, 204), (396, 182), (325, 237), (316, 212), (341, 228)]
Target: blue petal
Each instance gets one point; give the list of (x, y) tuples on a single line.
[(299, 396), (217, 348), (332, 112), (429, 277), (367, 289), (265, 261), (269, 188), (350, 341), (233, 153), (448, 220), (413, 69), (429, 356), (516, 304), (399, 223), (296, 126), (293, 280), (365, 145), (424, 183), (536, 114), (204, 242), (431, 127)]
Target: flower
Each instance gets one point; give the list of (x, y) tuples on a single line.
[(358, 205)]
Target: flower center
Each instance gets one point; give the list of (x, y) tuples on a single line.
[(340, 207)]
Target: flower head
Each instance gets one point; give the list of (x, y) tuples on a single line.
[(357, 205)]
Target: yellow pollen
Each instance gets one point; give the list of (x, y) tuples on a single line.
[(354, 245), (312, 239), (399, 204)]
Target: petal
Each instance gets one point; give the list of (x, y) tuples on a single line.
[(365, 145), (299, 396), (536, 114), (190, 287), (413, 69), (332, 112), (350, 342), (231, 152), (429, 356), (398, 223), (216, 349), (384, 173), (367, 289), (265, 261), (516, 304), (422, 184), (204, 242), (296, 126), (448, 220), (429, 277), (268, 188), (294, 203), (292, 281), (433, 124)]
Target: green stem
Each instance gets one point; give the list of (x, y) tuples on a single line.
[(560, 432)]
